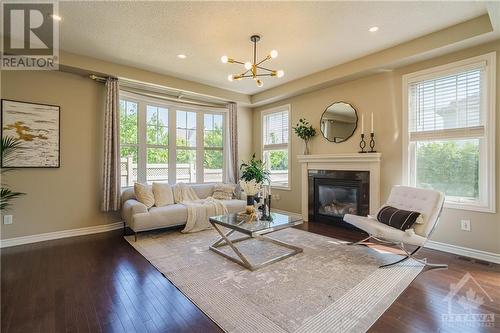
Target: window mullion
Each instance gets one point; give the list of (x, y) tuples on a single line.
[(142, 138), (172, 139), (200, 147)]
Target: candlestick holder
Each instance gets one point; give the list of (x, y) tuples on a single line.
[(372, 143), (362, 143), (266, 209)]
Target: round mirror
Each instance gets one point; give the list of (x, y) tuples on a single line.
[(338, 122)]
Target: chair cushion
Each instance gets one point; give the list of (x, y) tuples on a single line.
[(397, 218), (380, 230), (426, 202)]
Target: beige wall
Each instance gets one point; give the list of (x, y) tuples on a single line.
[(381, 94), (245, 126), (68, 197)]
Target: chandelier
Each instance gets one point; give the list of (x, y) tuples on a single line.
[(254, 69)]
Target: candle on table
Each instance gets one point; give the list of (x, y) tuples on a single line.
[(372, 123), (362, 124)]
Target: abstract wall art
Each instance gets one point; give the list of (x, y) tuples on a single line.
[(37, 127)]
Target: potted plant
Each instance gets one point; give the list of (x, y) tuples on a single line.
[(8, 146), (253, 176), (305, 131)]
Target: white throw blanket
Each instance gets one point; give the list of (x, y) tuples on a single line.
[(199, 210)]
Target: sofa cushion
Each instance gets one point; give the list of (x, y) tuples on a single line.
[(127, 194), (235, 205), (223, 191), (163, 194), (144, 194), (203, 191), (160, 217)]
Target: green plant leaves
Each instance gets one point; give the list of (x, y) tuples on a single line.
[(254, 169), (304, 130)]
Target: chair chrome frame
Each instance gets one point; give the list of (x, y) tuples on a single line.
[(408, 255)]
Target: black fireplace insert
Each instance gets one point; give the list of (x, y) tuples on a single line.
[(332, 194)]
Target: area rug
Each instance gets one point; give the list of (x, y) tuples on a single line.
[(330, 287)]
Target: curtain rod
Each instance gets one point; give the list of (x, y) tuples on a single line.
[(172, 99), (98, 78), (177, 99)]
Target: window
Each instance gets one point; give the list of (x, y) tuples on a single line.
[(213, 148), (449, 132), (275, 148), (156, 144), (185, 167), (129, 145), (169, 142)]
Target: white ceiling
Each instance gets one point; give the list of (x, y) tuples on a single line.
[(309, 36)]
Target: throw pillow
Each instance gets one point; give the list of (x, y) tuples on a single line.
[(144, 194), (397, 218), (223, 191), (163, 194)]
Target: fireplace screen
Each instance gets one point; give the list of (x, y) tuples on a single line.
[(336, 201)]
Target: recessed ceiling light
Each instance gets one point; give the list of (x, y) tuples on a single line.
[(373, 29), (56, 17), (181, 56)]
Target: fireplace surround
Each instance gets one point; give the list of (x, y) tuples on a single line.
[(324, 164)]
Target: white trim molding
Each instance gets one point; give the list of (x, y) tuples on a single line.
[(60, 234), (448, 248), (342, 162), (288, 145), (464, 251), (487, 197)]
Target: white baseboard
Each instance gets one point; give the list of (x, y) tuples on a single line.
[(464, 251), (286, 212), (60, 234), (449, 248)]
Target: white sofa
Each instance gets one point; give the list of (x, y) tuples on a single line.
[(139, 218)]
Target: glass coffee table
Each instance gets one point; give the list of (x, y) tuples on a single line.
[(255, 229)]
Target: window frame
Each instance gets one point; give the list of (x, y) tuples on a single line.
[(288, 146), (487, 182), (173, 107)]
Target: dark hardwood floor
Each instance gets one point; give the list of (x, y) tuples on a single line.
[(99, 283)]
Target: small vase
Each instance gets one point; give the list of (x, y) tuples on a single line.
[(250, 209), (306, 147)]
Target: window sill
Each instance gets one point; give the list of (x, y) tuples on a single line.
[(281, 188), (469, 207)]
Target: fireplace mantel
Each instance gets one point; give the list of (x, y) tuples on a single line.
[(355, 161)]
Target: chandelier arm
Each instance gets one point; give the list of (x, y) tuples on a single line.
[(265, 69), (264, 75), (254, 51), (237, 62), (263, 60)]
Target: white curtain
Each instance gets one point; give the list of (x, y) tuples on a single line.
[(111, 168), (233, 171)]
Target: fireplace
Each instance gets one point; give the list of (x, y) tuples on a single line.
[(332, 194)]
